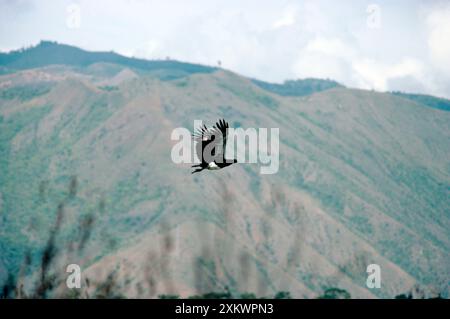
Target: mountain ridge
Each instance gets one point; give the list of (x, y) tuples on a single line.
[(51, 52)]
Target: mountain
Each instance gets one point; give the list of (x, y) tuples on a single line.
[(50, 53), (87, 178)]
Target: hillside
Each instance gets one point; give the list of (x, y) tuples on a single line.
[(85, 150), (298, 87)]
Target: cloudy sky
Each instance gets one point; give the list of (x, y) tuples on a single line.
[(381, 45)]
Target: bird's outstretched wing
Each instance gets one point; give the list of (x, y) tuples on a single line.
[(221, 129), (209, 144)]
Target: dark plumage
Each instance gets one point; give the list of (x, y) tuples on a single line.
[(211, 145)]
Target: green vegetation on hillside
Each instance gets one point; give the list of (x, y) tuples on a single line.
[(335, 293), (17, 173), (298, 87), (24, 92), (49, 53), (428, 100), (108, 88)]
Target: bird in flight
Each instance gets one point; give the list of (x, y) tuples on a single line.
[(211, 145)]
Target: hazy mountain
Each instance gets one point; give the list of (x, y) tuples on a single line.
[(85, 169), (50, 53)]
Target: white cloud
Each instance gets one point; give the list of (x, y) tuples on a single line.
[(376, 75), (334, 47), (324, 58), (288, 18), (333, 58), (438, 22), (151, 49)]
